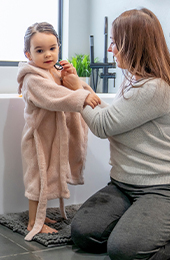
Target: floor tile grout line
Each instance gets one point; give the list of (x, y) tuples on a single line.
[(47, 249), (13, 242), (25, 253), (29, 252)]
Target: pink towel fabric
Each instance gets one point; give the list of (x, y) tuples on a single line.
[(54, 139)]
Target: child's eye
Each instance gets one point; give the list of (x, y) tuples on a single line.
[(53, 48), (39, 51)]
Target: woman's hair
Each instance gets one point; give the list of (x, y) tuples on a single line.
[(38, 27), (140, 41)]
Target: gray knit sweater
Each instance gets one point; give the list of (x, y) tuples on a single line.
[(138, 128)]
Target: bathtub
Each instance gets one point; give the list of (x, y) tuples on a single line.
[(12, 198)]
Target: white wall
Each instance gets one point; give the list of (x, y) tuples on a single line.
[(79, 26), (11, 183), (8, 82)]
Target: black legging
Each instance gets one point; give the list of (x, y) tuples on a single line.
[(127, 221)]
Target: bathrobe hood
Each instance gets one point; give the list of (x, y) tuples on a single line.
[(54, 139)]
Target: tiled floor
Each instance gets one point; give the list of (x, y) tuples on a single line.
[(14, 247)]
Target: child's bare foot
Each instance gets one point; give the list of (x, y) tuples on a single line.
[(45, 229), (51, 221)]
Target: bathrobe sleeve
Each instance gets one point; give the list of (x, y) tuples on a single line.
[(45, 93)]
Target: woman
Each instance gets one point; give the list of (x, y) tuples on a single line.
[(130, 217)]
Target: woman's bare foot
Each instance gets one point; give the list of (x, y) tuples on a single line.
[(51, 221)]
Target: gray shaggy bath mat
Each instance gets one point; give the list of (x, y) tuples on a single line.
[(18, 223)]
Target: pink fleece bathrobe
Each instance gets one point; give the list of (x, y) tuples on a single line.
[(54, 139)]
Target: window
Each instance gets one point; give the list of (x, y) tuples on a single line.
[(15, 17)]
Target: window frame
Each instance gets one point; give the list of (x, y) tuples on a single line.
[(4, 63)]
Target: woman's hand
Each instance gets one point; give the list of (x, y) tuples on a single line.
[(69, 76), (92, 100), (72, 81)]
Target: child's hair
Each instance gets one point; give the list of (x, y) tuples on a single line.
[(38, 27), (140, 41)]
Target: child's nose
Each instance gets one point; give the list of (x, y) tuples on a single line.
[(47, 53)]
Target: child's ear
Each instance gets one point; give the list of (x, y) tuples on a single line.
[(28, 55)]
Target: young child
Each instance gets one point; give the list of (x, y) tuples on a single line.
[(54, 137)]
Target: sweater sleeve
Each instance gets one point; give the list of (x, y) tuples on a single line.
[(139, 106), (46, 94)]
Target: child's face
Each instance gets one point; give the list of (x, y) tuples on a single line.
[(43, 50)]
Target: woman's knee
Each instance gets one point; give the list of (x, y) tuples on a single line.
[(85, 239), (124, 247), (116, 250)]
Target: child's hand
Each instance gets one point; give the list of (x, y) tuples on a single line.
[(67, 68), (92, 100)]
